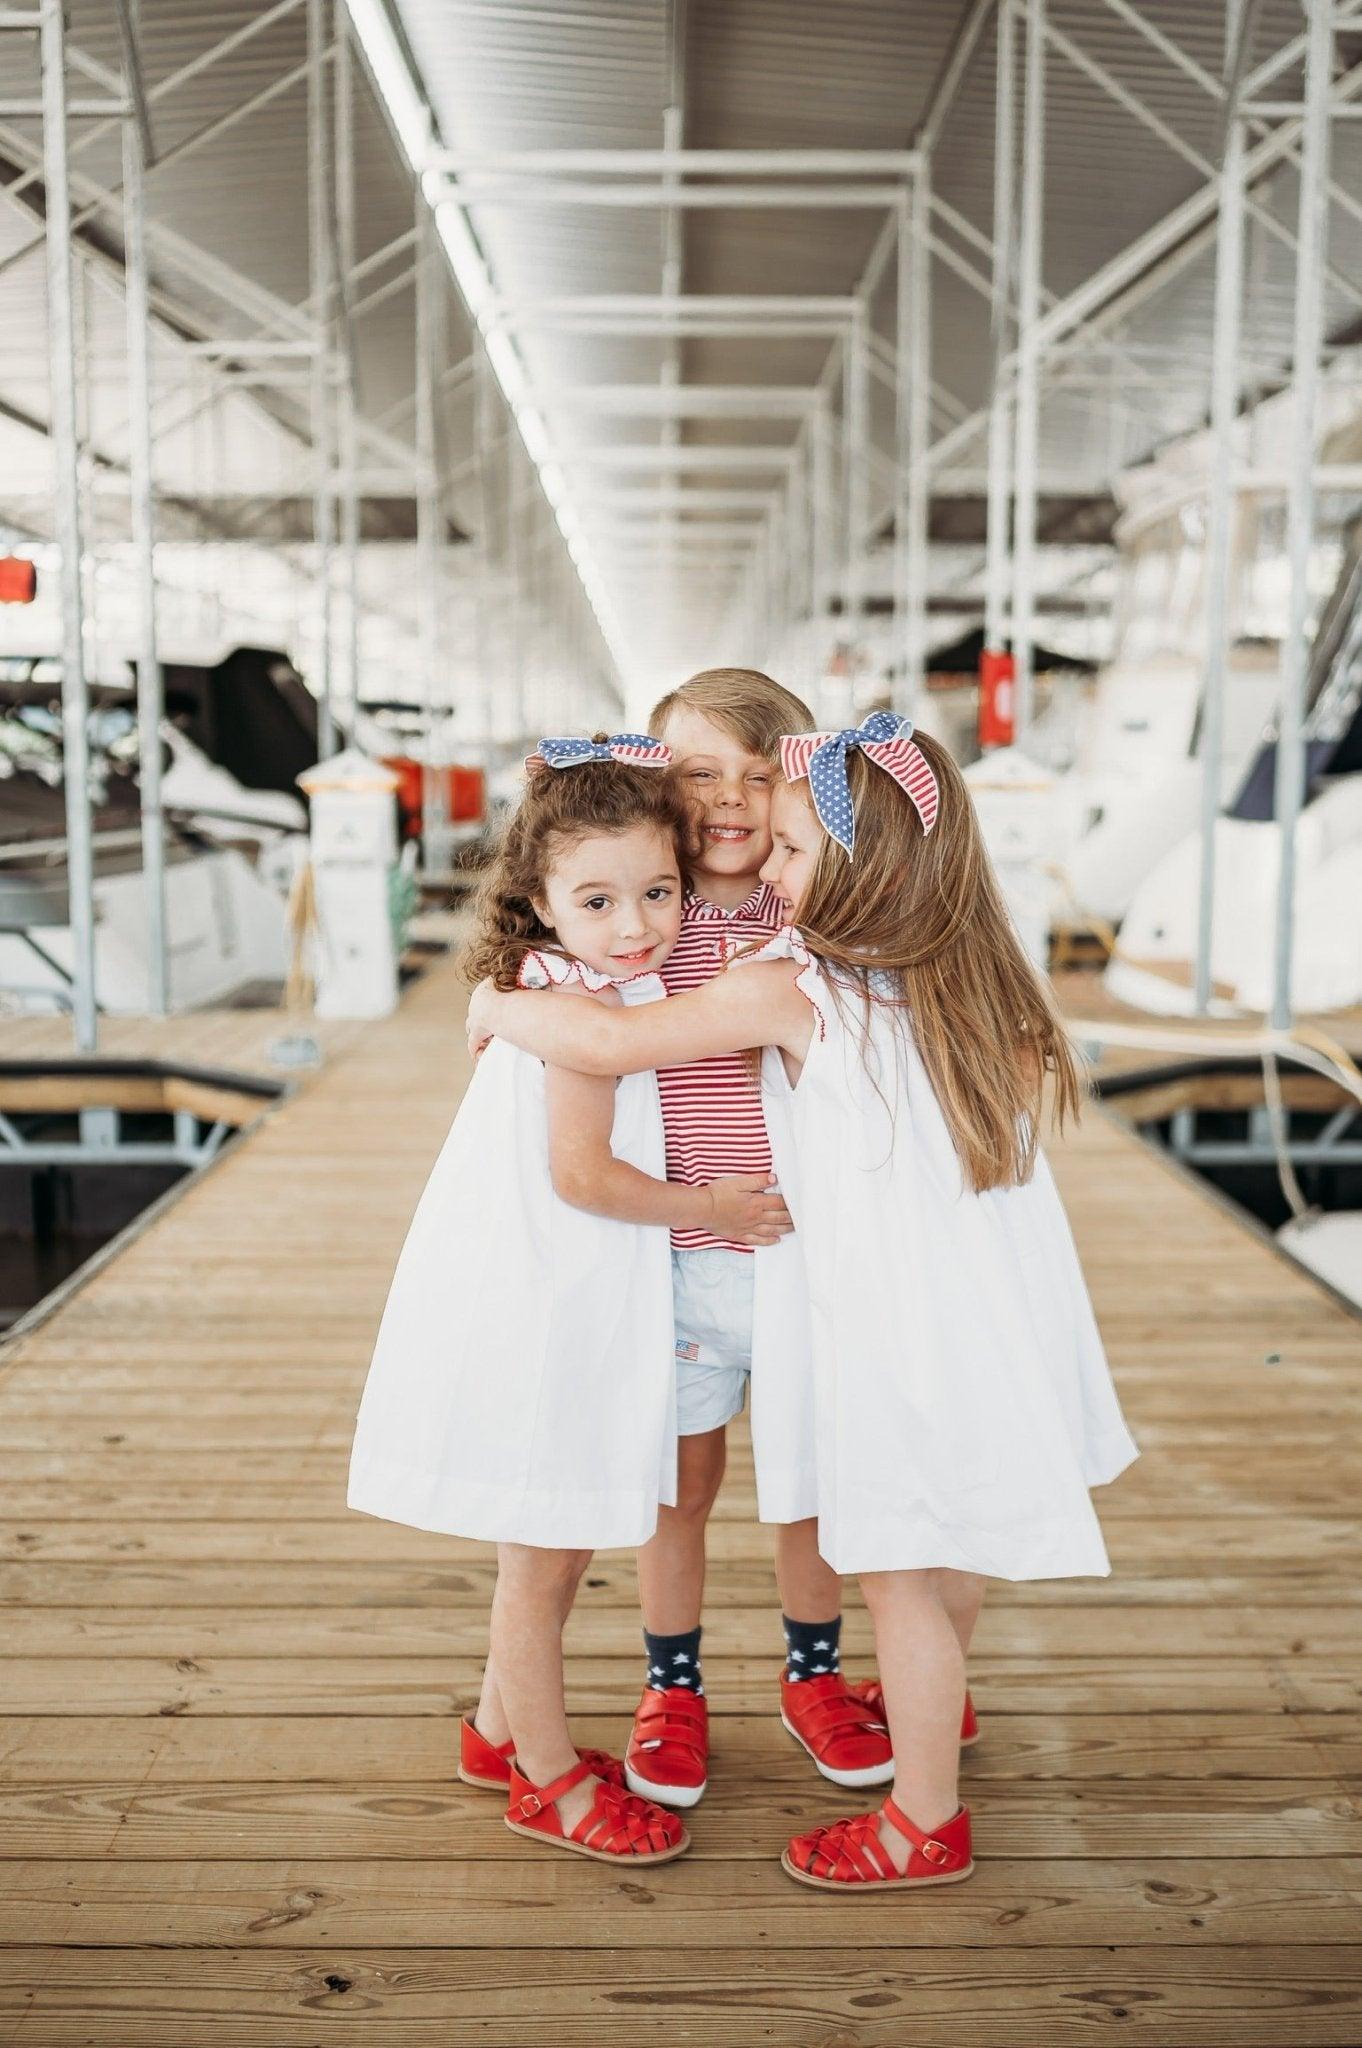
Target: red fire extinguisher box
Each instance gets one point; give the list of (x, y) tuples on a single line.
[(997, 676), (18, 580), (464, 793)]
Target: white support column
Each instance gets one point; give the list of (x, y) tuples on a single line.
[(343, 268), (1229, 292), (1028, 368), (480, 709), (429, 516), (918, 496), (856, 434), (1289, 790), (515, 712), (74, 693), (319, 176), (820, 533), (150, 694), (999, 550)]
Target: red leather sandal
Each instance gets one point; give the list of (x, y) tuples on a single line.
[(836, 1724), (849, 1855), (872, 1692), (488, 1765), (668, 1754), (618, 1828)]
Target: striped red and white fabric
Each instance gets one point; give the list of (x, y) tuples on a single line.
[(883, 738), (711, 1109)]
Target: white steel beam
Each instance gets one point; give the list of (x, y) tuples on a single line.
[(657, 497), (999, 538), (506, 192), (683, 461), (688, 401), (560, 163), (1229, 293), (66, 460), (1026, 485), (150, 694), (759, 306), (916, 499), (320, 171), (1289, 788)]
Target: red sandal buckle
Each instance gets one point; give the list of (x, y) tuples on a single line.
[(933, 1851), (530, 1805)]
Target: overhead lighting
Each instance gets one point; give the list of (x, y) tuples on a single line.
[(415, 130)]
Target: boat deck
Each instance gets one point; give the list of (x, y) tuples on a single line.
[(229, 1809)]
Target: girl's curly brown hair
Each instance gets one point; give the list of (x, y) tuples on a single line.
[(560, 805)]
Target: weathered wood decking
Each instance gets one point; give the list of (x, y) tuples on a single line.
[(229, 1814)]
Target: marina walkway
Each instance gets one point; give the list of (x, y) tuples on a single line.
[(229, 1814)]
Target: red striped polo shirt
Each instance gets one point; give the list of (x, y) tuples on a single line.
[(711, 1109)]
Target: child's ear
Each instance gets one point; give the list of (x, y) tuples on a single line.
[(541, 908)]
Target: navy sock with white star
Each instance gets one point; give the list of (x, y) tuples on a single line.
[(811, 1647), (674, 1660)]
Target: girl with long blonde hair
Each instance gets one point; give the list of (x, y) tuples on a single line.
[(961, 1407)]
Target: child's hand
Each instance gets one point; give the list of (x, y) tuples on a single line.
[(749, 1208), (477, 1022)]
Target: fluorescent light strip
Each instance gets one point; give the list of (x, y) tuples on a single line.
[(414, 129)]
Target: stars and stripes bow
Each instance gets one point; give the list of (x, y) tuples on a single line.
[(639, 749), (884, 739)]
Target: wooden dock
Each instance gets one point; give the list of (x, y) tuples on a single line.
[(229, 1814)]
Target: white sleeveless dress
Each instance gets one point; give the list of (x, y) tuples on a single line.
[(522, 1387), (961, 1405)]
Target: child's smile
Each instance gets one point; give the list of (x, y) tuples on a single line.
[(614, 900), (731, 789)]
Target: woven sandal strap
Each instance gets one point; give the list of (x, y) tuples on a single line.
[(539, 1796), (620, 1822), (602, 1764), (853, 1846), (929, 1846)]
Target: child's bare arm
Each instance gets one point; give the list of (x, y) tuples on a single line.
[(746, 1007), (586, 1173)]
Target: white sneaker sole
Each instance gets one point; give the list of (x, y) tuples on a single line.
[(665, 1795), (872, 1774)]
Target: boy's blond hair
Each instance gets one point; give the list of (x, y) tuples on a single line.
[(751, 706)]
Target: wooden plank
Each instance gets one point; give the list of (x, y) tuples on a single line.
[(38, 1750), (186, 1680), (356, 1821), (1149, 1545), (227, 1779), (744, 1906), (1226, 1997), (408, 1610)]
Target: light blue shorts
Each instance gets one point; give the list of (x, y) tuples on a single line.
[(712, 1302)]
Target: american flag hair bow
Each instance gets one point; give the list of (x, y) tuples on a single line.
[(884, 739), (639, 749)]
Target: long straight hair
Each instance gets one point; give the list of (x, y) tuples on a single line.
[(925, 910)]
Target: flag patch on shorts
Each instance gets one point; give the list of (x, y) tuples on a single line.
[(689, 1351)]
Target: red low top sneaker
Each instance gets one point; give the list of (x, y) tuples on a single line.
[(845, 1735), (668, 1755)]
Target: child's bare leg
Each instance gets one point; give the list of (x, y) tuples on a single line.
[(532, 1599), (671, 1565), (810, 1589), (490, 1716), (922, 1669), (962, 1596)]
